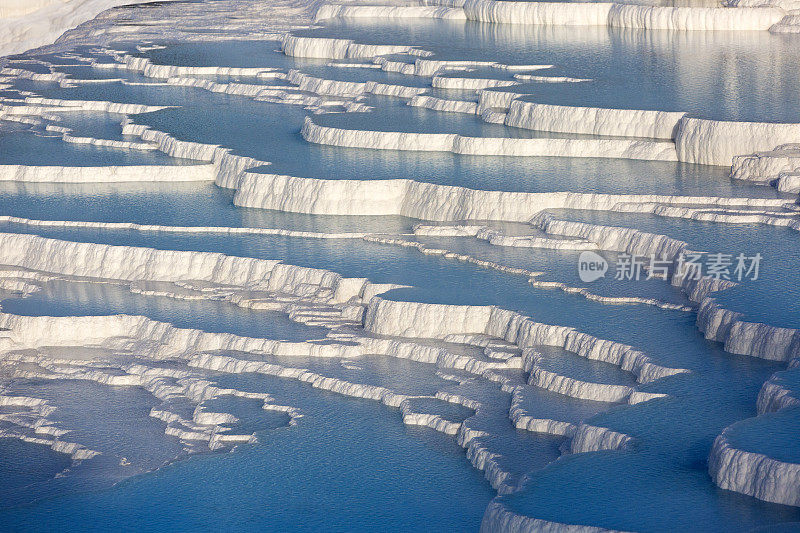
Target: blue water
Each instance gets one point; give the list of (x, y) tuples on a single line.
[(24, 464), (568, 364), (29, 148), (768, 434), (373, 472), (271, 132), (670, 337), (439, 280), (350, 464), (278, 141), (717, 75), (240, 53), (59, 298), (179, 204), (776, 287)]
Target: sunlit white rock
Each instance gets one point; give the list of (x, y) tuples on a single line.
[(329, 11), (107, 174), (441, 104), (592, 120), (753, 473), (714, 142), (505, 146), (693, 18), (332, 48), (542, 13)]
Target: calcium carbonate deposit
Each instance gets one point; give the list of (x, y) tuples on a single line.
[(402, 265)]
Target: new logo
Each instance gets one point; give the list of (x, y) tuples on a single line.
[(591, 267)]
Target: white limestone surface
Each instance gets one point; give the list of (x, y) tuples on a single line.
[(715, 142), (593, 120), (107, 174), (752, 473)]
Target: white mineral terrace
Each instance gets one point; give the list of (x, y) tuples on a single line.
[(440, 294)]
